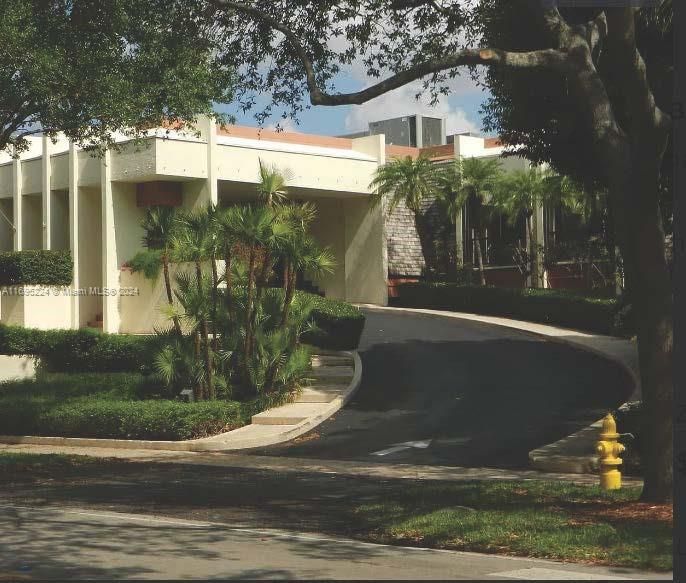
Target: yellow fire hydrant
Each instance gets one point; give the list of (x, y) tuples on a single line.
[(608, 449)]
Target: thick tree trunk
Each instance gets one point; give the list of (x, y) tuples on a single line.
[(634, 190), (168, 288)]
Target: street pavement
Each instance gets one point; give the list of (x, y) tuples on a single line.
[(442, 391), (55, 543)]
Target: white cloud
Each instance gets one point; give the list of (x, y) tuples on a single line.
[(286, 125), (401, 102)]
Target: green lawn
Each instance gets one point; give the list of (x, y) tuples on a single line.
[(534, 519), (555, 520), (111, 405)]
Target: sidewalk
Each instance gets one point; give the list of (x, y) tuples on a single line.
[(572, 454), (382, 471)]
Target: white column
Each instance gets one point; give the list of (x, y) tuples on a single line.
[(74, 229), (16, 194), (110, 267), (45, 191), (212, 161)]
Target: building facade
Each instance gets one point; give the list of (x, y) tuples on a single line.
[(56, 196)]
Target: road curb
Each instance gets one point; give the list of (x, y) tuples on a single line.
[(222, 442), (563, 455)]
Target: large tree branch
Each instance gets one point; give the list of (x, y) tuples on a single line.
[(546, 58), (628, 73)]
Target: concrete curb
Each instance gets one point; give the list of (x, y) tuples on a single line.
[(564, 455), (223, 442)]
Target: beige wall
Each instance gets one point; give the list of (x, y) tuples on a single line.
[(89, 169), (308, 171), (59, 168), (329, 230), (142, 314), (32, 222), (6, 233), (12, 310), (59, 218), (31, 172), (90, 252), (46, 312), (365, 267)]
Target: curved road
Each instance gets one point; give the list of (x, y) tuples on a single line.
[(467, 394)]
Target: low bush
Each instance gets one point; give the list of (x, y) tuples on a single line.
[(563, 308), (110, 406), (339, 324), (339, 328), (36, 267), (80, 350)]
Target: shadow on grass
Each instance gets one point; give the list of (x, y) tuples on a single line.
[(524, 518)]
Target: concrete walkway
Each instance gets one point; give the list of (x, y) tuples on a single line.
[(572, 454), (335, 378)]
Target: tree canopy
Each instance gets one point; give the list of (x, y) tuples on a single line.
[(90, 68)]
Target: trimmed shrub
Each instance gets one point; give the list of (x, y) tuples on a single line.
[(87, 350), (557, 307), (37, 267), (80, 350), (107, 406), (340, 324)]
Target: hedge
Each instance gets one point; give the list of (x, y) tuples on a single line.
[(87, 350), (340, 324), (557, 307), (107, 406), (36, 268)]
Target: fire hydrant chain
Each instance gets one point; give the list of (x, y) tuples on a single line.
[(608, 450)]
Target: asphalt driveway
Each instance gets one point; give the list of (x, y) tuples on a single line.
[(455, 392)]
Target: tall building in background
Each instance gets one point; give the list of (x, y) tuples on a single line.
[(416, 131)]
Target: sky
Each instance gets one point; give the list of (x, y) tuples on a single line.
[(460, 108)]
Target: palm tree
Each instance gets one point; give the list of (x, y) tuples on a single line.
[(255, 227), (193, 242), (226, 225), (159, 224), (409, 181), (272, 186), (480, 177), (519, 194), (451, 200), (300, 253)]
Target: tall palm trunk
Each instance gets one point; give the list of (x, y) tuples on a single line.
[(204, 330), (247, 347), (228, 278), (288, 296), (215, 299), (168, 288), (479, 257), (261, 282), (199, 390), (533, 256)]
